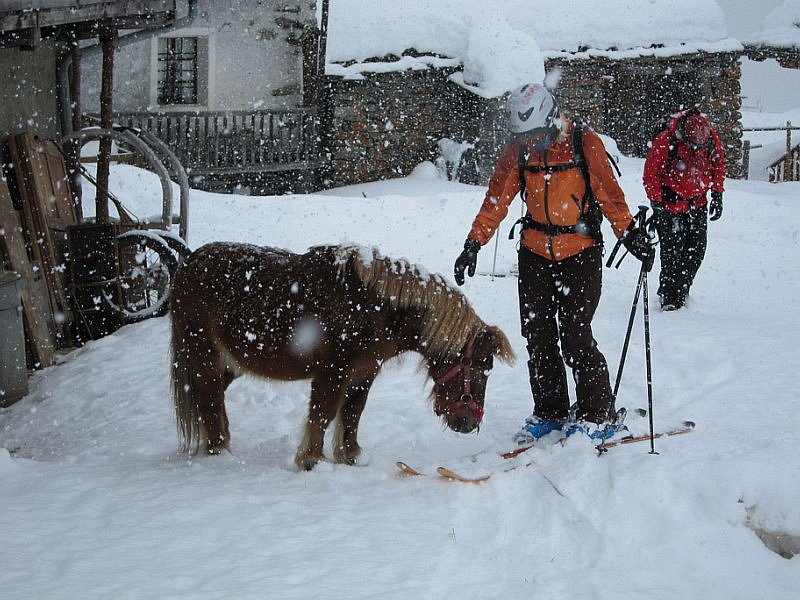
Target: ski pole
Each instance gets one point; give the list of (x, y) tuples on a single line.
[(631, 319), (648, 361), (640, 216), (494, 260)]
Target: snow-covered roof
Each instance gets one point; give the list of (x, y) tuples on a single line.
[(503, 43), (781, 26)]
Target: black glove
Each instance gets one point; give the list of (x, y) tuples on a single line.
[(467, 260), (637, 242), (715, 210)]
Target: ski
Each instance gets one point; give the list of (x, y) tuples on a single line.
[(448, 474), (444, 473), (686, 427), (406, 470), (453, 476)]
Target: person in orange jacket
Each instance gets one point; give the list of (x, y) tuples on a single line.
[(685, 161), (560, 257)]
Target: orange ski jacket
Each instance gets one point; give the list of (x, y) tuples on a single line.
[(553, 198)]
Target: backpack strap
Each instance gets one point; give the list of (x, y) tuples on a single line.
[(522, 163), (592, 216)]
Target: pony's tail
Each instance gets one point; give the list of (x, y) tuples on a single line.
[(187, 411)]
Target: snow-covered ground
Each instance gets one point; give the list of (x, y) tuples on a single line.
[(98, 503)]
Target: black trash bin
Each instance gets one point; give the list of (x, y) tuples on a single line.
[(13, 371)]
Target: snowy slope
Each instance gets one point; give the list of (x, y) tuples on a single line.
[(97, 503)]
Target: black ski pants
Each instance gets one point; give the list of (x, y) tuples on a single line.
[(557, 301), (683, 238)]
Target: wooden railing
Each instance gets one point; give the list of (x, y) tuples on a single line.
[(787, 167), (230, 142)]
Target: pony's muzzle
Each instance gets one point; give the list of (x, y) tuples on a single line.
[(465, 415)]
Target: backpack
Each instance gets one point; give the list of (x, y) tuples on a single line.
[(662, 124), (591, 214)]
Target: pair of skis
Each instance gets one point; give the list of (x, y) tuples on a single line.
[(684, 428), (447, 474)]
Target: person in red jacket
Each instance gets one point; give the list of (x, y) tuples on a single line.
[(685, 162), (563, 174)]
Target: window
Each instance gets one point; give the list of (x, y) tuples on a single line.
[(178, 67)]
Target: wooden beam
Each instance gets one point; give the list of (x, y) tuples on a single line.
[(108, 42)]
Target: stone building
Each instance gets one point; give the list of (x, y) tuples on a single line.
[(446, 73), (384, 124)]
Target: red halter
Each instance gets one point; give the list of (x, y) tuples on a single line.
[(463, 366)]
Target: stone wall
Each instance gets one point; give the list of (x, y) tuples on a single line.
[(382, 126), (624, 99)]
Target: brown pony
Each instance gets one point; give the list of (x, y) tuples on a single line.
[(333, 315)]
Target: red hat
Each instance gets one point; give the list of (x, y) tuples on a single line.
[(697, 129)]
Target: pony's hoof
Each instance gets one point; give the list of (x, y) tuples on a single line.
[(306, 463), (348, 458), (216, 450)]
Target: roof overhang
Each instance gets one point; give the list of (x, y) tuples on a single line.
[(26, 23)]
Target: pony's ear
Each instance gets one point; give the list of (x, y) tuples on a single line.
[(500, 345)]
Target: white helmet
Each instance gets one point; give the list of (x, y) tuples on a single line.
[(532, 107)]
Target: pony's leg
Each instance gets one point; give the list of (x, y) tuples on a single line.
[(209, 386), (345, 438), (326, 397)]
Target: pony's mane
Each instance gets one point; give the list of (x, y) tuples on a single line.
[(448, 320)]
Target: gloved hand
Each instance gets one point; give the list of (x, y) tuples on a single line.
[(637, 242), (467, 260), (715, 209)]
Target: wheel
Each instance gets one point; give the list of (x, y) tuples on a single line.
[(179, 247), (147, 265)]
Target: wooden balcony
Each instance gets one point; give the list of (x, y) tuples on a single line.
[(235, 142), (786, 168)]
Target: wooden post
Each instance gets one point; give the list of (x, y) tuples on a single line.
[(108, 42), (323, 39), (75, 110), (75, 85), (746, 159), (787, 163)]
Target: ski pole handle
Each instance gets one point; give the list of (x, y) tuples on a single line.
[(641, 216)]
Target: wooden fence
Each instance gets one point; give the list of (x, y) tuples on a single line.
[(233, 142), (787, 167)]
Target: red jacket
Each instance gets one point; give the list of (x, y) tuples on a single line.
[(553, 199), (689, 173)]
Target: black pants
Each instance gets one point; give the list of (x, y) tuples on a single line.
[(557, 302), (683, 239)]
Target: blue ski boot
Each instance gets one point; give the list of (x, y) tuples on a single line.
[(601, 432), (534, 429)]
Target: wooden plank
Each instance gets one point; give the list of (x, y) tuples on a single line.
[(48, 210), (35, 307)]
